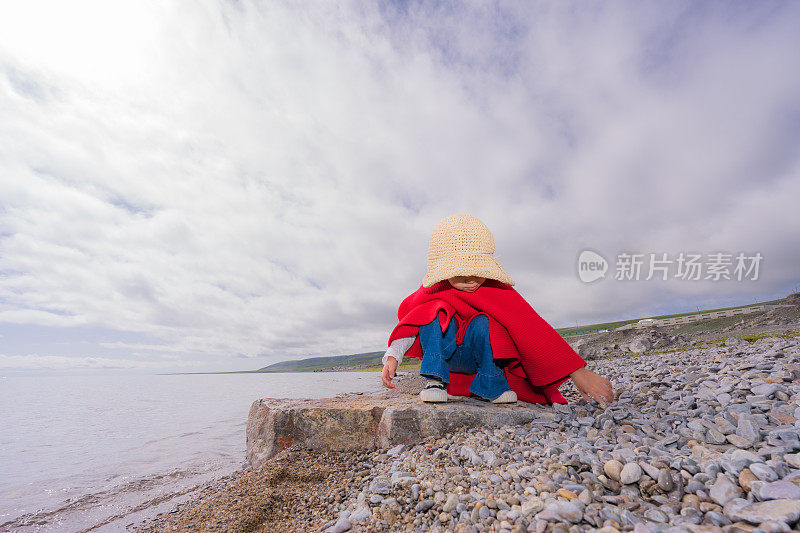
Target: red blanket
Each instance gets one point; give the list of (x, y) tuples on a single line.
[(536, 360)]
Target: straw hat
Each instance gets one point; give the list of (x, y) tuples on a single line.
[(462, 245)]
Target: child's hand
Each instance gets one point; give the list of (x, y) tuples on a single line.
[(591, 386), (389, 370)]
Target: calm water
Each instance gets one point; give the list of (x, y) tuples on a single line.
[(101, 452)]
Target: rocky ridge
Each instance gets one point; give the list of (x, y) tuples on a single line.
[(679, 337)]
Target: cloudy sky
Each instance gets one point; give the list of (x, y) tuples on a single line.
[(216, 185)]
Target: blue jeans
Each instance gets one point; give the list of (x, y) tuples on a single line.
[(441, 355)]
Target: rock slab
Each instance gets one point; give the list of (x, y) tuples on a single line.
[(363, 422)]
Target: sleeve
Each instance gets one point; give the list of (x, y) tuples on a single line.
[(398, 349)]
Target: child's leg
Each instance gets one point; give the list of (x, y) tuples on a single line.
[(475, 355), (437, 347)]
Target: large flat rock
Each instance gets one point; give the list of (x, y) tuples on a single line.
[(362, 422)]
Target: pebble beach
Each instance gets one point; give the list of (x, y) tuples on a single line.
[(704, 439)]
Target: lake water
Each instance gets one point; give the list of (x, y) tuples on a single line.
[(101, 452)]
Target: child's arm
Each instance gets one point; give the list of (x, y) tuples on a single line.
[(592, 386), (393, 357)]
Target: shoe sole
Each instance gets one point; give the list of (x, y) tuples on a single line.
[(507, 397), (433, 395)]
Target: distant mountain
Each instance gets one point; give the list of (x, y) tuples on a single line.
[(335, 362)]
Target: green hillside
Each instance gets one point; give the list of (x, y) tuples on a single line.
[(564, 332), (317, 364)]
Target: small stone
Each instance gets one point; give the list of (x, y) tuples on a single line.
[(342, 525), (613, 469), (736, 440), (650, 470), (746, 456), (380, 486), (733, 507), (745, 478), (740, 527), (793, 458), (724, 426), (779, 490), (665, 481), (468, 452), (780, 510), (561, 511), (715, 436), (765, 389), (655, 515), (755, 489), (724, 490), (716, 518), (747, 429), (533, 505), (475, 516), (773, 526), (424, 506), (693, 486), (763, 472), (631, 473), (568, 494), (483, 513), (361, 514), (451, 503), (782, 417), (396, 450), (403, 478)]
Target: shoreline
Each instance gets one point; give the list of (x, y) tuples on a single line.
[(271, 498), (703, 417), (236, 502)]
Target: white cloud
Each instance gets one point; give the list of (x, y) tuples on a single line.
[(258, 178)]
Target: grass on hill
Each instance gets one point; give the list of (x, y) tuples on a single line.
[(611, 325), (318, 364)]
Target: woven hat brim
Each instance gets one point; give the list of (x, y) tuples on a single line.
[(485, 266)]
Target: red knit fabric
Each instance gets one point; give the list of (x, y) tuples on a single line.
[(537, 359)]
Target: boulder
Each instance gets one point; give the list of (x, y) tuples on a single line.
[(640, 344), (587, 352), (363, 422)]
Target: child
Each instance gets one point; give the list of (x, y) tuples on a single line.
[(476, 335)]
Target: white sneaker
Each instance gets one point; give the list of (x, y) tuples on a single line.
[(508, 396), (434, 392)]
